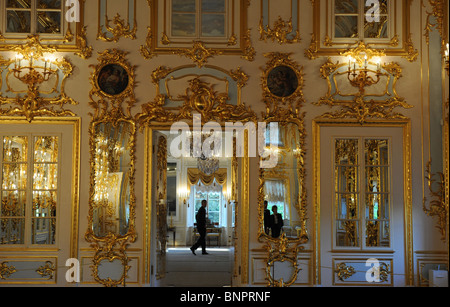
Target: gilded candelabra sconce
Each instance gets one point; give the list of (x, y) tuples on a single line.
[(375, 81), (282, 190), (112, 199), (437, 206), (44, 76)]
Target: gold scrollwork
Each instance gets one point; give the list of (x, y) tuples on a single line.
[(6, 271), (32, 104), (280, 32), (344, 271), (110, 256), (439, 10), (361, 107), (48, 270), (200, 98), (329, 46), (281, 251), (121, 27), (285, 109), (437, 205), (109, 113), (199, 54)]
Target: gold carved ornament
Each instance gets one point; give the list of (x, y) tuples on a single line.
[(199, 53), (279, 32), (48, 270), (437, 205), (361, 77), (284, 109), (33, 75), (344, 271), (199, 98), (407, 51), (109, 109), (282, 251), (6, 271)]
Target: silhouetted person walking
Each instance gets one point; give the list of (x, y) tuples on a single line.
[(201, 228)]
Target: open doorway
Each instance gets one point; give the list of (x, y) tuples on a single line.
[(179, 185)]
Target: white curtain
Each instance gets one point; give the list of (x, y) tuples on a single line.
[(275, 191)]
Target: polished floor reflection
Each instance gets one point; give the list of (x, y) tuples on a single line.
[(183, 269)]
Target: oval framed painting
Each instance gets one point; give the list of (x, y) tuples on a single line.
[(113, 79), (282, 81)]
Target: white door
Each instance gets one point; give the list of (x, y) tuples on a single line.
[(362, 206)]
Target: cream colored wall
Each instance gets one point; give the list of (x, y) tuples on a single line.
[(412, 86)]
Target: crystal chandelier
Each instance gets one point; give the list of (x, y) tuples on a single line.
[(207, 164)]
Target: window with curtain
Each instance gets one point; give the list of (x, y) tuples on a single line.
[(275, 193), (362, 193), (213, 195), (29, 189), (209, 187)]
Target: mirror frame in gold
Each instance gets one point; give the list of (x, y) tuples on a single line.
[(284, 111), (109, 109)]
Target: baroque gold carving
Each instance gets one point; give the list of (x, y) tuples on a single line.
[(360, 107), (48, 270), (279, 32), (199, 54), (439, 10), (200, 51), (112, 110), (6, 271), (437, 207), (119, 28), (281, 251), (200, 98), (285, 111), (333, 47), (344, 271), (32, 104)]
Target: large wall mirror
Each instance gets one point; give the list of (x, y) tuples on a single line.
[(282, 190), (112, 165), (112, 170)]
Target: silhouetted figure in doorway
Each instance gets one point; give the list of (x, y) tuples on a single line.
[(201, 228)]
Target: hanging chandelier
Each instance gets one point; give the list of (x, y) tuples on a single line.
[(207, 164)]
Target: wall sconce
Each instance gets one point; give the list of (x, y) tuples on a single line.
[(183, 194), (360, 76), (35, 74), (227, 196)]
